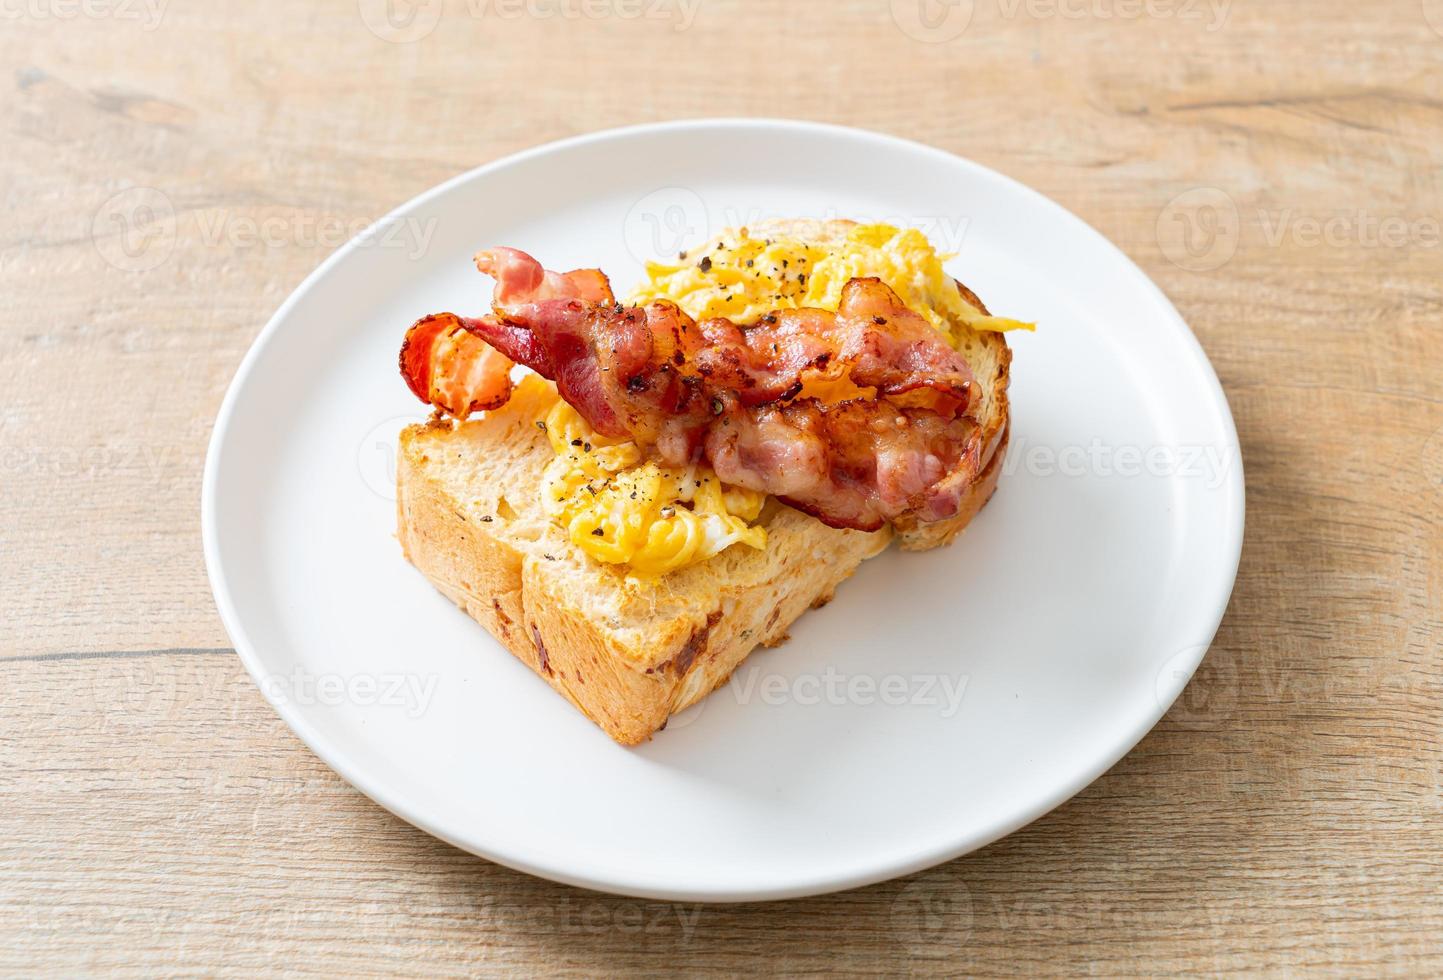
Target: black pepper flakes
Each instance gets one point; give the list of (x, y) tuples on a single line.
[(541, 424), (705, 264)]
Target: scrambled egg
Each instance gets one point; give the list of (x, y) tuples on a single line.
[(743, 278), (622, 510)]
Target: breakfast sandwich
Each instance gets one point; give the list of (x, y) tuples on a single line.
[(679, 474)]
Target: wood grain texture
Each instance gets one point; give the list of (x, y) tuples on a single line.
[(1284, 818)]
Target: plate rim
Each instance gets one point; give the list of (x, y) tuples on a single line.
[(522, 859)]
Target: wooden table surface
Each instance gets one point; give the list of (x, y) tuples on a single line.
[(172, 170)]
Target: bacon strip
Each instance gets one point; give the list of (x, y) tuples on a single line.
[(855, 464), (873, 336), (446, 365), (734, 395), (521, 279)]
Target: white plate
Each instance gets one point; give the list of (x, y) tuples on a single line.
[(942, 700)]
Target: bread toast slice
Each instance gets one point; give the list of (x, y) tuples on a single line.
[(627, 652), (630, 652)]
